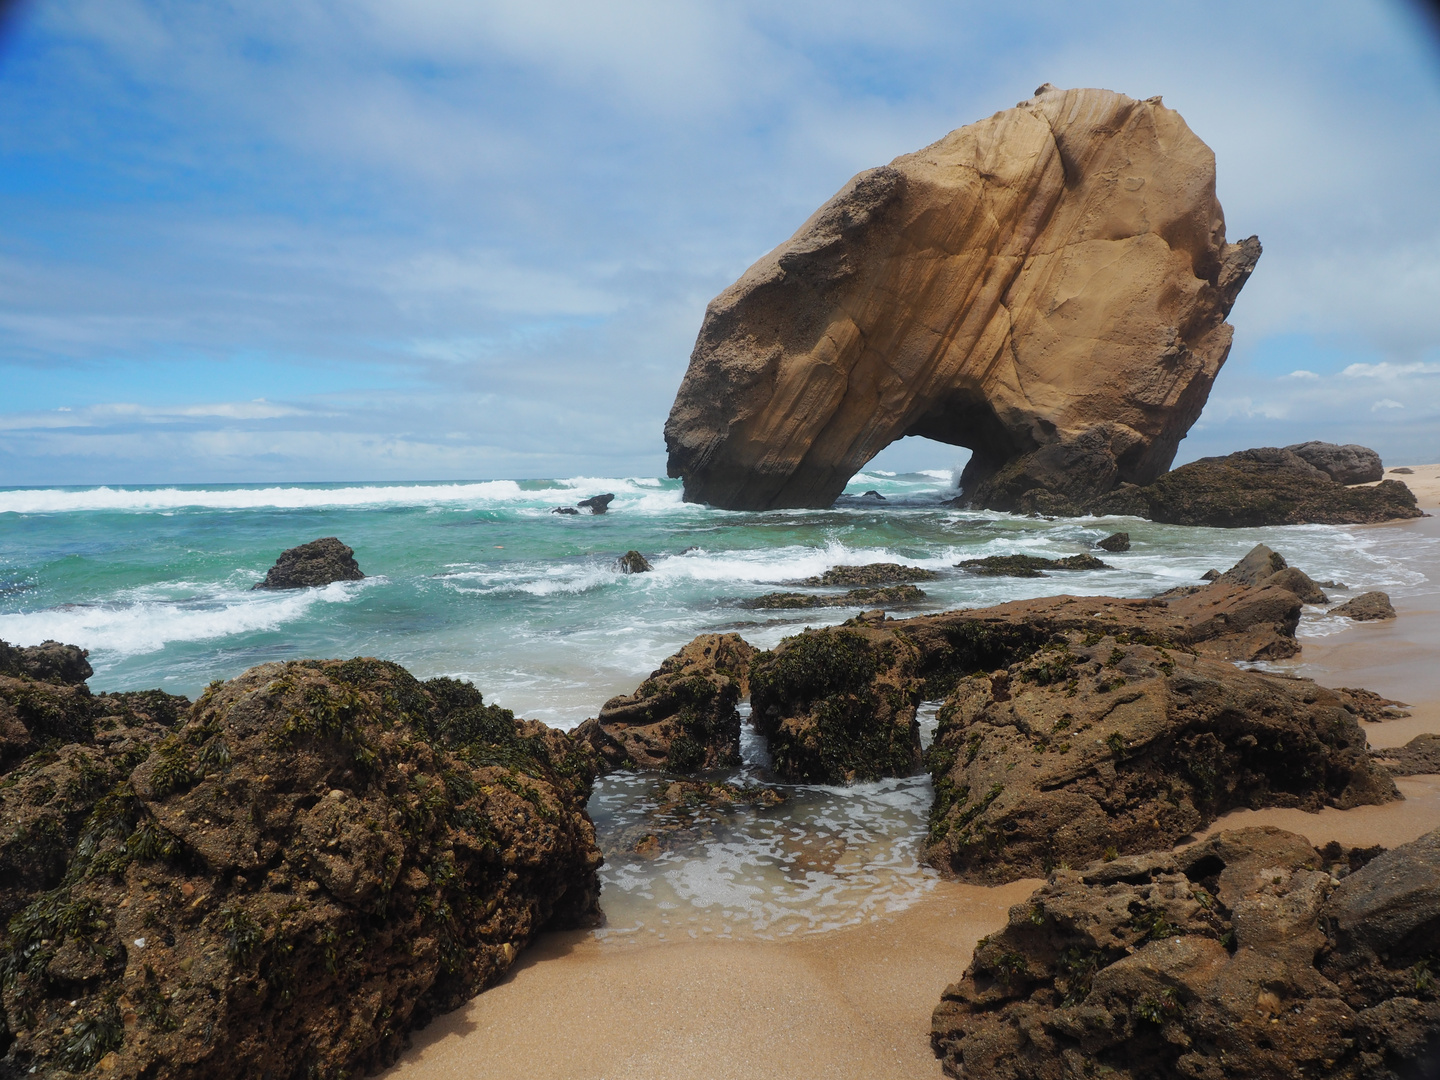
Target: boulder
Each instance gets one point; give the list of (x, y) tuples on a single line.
[(1420, 756), (317, 563), (683, 717), (1261, 566), (1249, 954), (632, 562), (318, 858), (1349, 464), (596, 504), (1097, 743), (1367, 607), (1047, 286), (1119, 541), (1269, 486)]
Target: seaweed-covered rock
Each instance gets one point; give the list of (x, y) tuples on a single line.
[(1268, 486), (1249, 954), (838, 705), (632, 562), (320, 857), (862, 597), (49, 661), (319, 562), (683, 717), (1367, 607), (1119, 541), (1349, 464), (1028, 565), (872, 574), (687, 813), (1097, 742)]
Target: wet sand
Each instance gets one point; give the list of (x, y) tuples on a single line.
[(856, 1003)]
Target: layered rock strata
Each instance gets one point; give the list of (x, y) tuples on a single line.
[(1047, 287), (1248, 954), (317, 563), (281, 882), (683, 717), (1099, 744)]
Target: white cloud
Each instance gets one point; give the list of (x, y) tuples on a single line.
[(1386, 403), (1387, 370), (1301, 373)]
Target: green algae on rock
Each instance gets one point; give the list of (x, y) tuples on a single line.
[(1028, 565), (862, 597)]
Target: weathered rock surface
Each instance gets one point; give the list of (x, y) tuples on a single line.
[(316, 859), (863, 597), (1262, 566), (1245, 955), (317, 563), (683, 717), (1367, 607), (1028, 565), (1096, 743), (1047, 287), (1349, 464), (838, 703), (49, 661), (1421, 755), (872, 574), (632, 562), (1119, 541), (1266, 486)]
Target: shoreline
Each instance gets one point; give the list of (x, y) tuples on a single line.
[(856, 1002)]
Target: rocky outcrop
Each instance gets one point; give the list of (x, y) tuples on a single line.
[(49, 661), (1421, 755), (1367, 607), (1028, 565), (1119, 541), (683, 717), (1047, 287), (313, 861), (838, 704), (317, 563), (1266, 486), (1099, 744), (1262, 566), (864, 597), (596, 504), (632, 562), (872, 574), (1248, 954), (1349, 464)]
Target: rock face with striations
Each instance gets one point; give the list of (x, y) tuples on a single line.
[(317, 563), (1048, 287)]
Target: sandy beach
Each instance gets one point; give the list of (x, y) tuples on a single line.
[(857, 1002)]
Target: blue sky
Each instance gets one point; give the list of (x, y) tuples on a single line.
[(441, 239)]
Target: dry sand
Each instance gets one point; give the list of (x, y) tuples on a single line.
[(857, 1002)]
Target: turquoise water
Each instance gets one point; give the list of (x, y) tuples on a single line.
[(482, 581)]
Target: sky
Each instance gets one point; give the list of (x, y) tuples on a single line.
[(450, 239)]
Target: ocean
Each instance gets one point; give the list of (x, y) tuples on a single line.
[(483, 581)]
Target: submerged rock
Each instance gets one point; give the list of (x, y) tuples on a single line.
[(319, 562), (872, 574), (1097, 743), (632, 562), (1119, 541), (1028, 565), (1249, 954), (1367, 607), (315, 859), (564, 510), (885, 594), (688, 813), (683, 717), (1349, 464), (1072, 244), (596, 504)]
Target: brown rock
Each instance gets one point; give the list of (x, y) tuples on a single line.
[(872, 574), (1420, 756), (683, 717), (1239, 956), (1349, 464), (884, 594), (632, 562), (1047, 287), (1367, 607), (319, 858), (1095, 744), (310, 565), (1119, 541)]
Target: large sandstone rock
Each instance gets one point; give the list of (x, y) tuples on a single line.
[(1348, 464), (1097, 743), (683, 717), (314, 861), (1249, 954), (1047, 287)]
